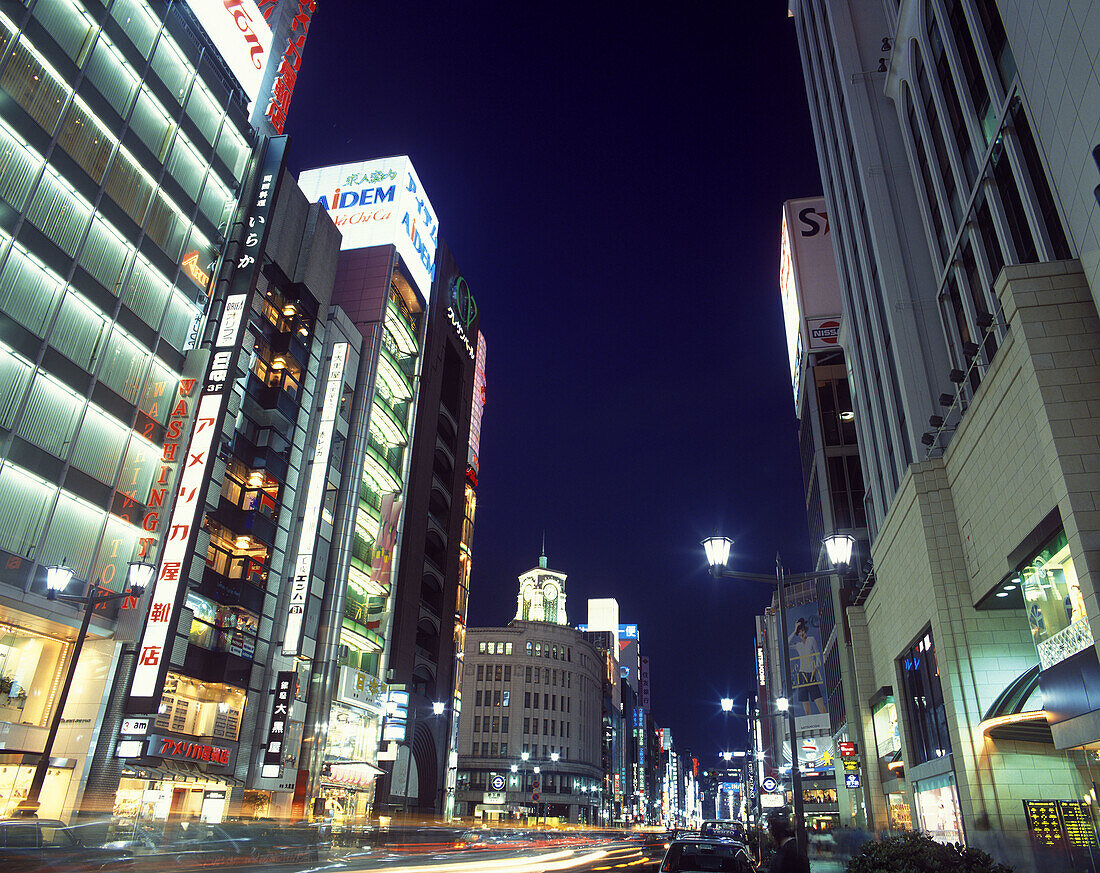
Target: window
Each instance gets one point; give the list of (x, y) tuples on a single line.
[(537, 676), (926, 715), (545, 729), (535, 700), (496, 724), (527, 699), (529, 648), (508, 673), (507, 696), (527, 674), (507, 648), (504, 724), (477, 702), (477, 724), (480, 651), (535, 726), (553, 728), (480, 671), (527, 725), (498, 672), (555, 653), (485, 750), (503, 749), (496, 698), (1055, 606), (545, 701), (554, 702), (538, 650)]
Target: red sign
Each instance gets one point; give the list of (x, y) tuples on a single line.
[(287, 74), (166, 747), (847, 750)]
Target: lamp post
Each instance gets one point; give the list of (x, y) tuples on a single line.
[(554, 756), (717, 549), (139, 576)]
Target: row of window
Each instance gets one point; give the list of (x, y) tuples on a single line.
[(549, 702), (500, 750), (536, 675), (494, 698), (499, 724), (493, 648), (547, 650)]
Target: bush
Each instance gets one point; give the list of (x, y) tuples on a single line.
[(919, 853)]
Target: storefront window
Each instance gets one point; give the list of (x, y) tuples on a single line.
[(29, 667), (938, 808), (884, 716), (901, 817), (201, 709), (1055, 607)]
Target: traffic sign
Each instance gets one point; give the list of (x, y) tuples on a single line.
[(851, 780), (534, 796), (768, 784)]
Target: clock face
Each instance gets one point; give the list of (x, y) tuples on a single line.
[(550, 591)]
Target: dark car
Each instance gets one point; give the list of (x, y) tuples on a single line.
[(45, 844), (699, 855)]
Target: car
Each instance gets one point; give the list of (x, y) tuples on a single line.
[(702, 855), (46, 844), (727, 828)]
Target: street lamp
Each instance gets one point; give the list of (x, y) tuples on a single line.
[(782, 704), (139, 576), (727, 704), (717, 549)]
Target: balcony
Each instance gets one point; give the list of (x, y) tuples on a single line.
[(245, 521), (266, 458), (273, 397)]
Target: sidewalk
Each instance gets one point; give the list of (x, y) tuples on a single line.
[(827, 865)]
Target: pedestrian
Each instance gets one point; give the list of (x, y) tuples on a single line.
[(787, 858)]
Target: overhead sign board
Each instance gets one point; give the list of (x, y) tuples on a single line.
[(241, 35), (771, 801), (377, 203)]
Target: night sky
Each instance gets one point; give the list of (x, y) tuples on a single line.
[(609, 177)]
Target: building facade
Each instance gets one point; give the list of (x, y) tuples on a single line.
[(973, 637), (530, 737), (127, 145)]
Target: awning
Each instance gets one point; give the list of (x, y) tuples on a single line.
[(178, 771), (1017, 713)]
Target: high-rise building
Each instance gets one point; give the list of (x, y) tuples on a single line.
[(126, 144), (955, 140), (384, 281), (832, 479)]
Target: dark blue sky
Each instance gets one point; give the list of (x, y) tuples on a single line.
[(609, 177)]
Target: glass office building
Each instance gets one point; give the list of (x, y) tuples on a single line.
[(123, 145)]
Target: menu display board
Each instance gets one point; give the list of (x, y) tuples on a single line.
[(1077, 824), (1043, 823), (1061, 825)]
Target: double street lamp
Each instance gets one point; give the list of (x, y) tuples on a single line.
[(839, 549), (139, 576)]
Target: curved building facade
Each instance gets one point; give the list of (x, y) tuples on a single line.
[(529, 740)]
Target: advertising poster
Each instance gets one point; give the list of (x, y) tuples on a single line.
[(807, 674)]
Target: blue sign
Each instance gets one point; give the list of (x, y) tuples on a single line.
[(496, 782), (768, 785), (851, 780)]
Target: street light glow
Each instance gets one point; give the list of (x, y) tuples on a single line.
[(782, 704), (727, 704), (839, 549), (718, 551)]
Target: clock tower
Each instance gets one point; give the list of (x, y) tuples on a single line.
[(542, 594)]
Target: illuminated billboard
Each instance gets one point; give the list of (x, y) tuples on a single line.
[(477, 404), (808, 284), (241, 35), (807, 671), (378, 203)]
